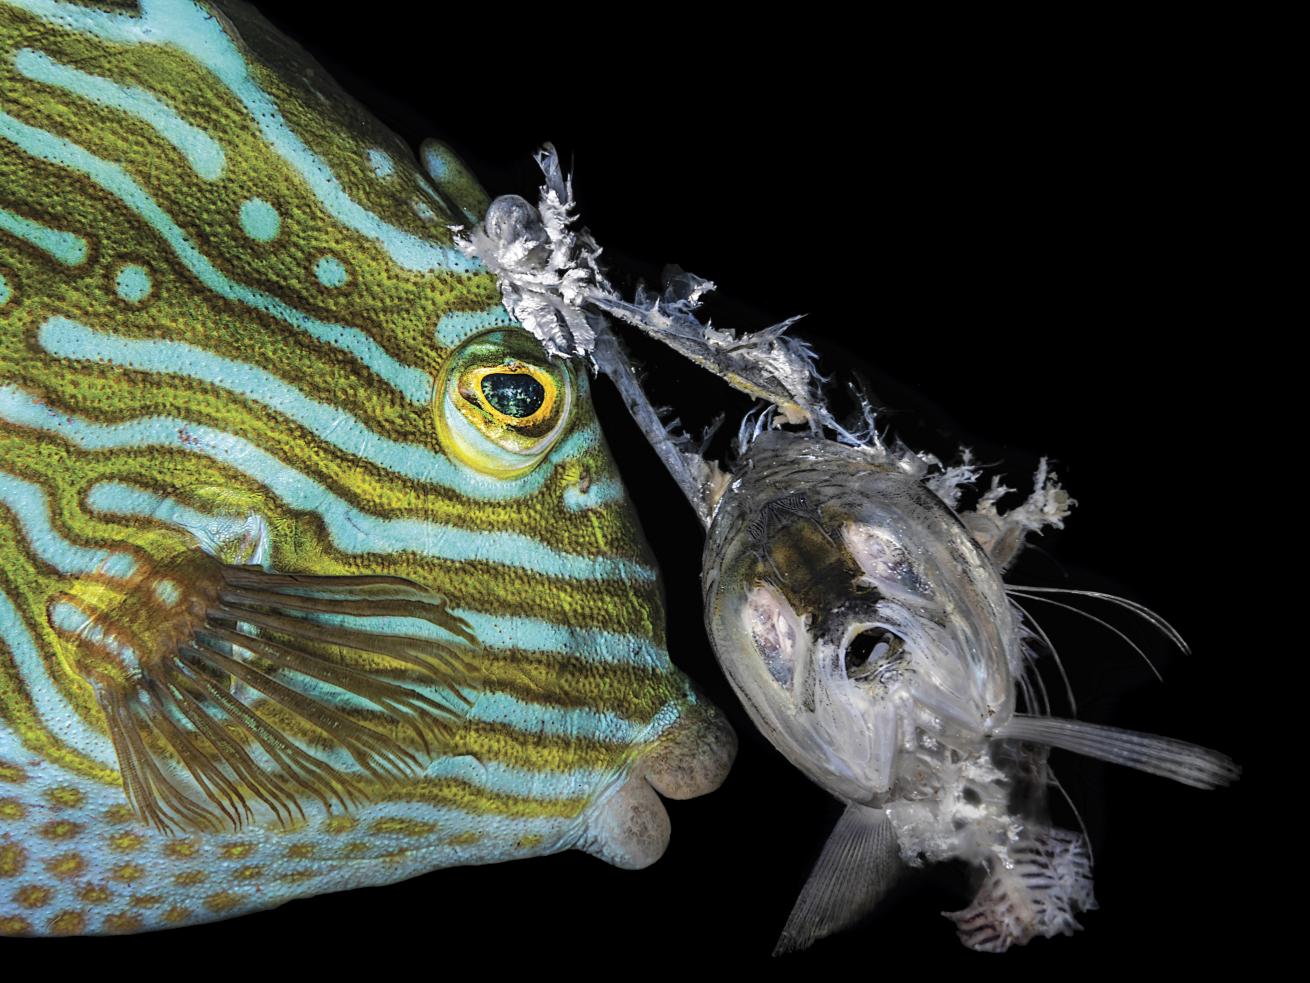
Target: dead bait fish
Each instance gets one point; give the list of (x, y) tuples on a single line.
[(315, 569), (866, 628), (863, 623)]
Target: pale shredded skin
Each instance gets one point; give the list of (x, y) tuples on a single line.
[(551, 280)]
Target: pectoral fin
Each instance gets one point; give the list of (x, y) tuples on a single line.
[(858, 865), (1187, 763), (237, 695)]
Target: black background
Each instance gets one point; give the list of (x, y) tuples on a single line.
[(1028, 246)]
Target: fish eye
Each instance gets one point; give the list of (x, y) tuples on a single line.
[(502, 403), (871, 651)]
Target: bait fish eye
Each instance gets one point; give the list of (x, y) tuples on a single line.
[(501, 403)]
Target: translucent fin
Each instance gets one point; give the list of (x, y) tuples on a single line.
[(1164, 756), (221, 725), (859, 863)]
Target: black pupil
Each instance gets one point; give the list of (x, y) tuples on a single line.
[(864, 645), (514, 394)]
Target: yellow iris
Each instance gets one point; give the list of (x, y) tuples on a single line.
[(502, 403), (478, 378)]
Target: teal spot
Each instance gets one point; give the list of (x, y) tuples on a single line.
[(330, 272), (5, 292), (168, 592), (260, 220), (381, 163), (132, 283), (422, 210)]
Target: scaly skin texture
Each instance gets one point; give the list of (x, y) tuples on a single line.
[(226, 295)]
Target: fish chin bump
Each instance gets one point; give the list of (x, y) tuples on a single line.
[(630, 829)]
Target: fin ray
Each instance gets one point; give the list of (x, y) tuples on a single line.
[(1187, 763), (195, 723), (857, 867)]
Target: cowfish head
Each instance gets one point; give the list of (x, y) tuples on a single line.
[(849, 607)]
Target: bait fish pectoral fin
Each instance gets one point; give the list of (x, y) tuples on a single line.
[(234, 696), (859, 864), (1187, 763)]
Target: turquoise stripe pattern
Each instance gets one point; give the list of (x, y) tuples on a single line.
[(287, 605)]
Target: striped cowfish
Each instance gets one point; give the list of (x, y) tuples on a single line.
[(315, 569)]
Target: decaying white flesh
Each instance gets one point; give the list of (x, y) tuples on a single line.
[(551, 280)]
